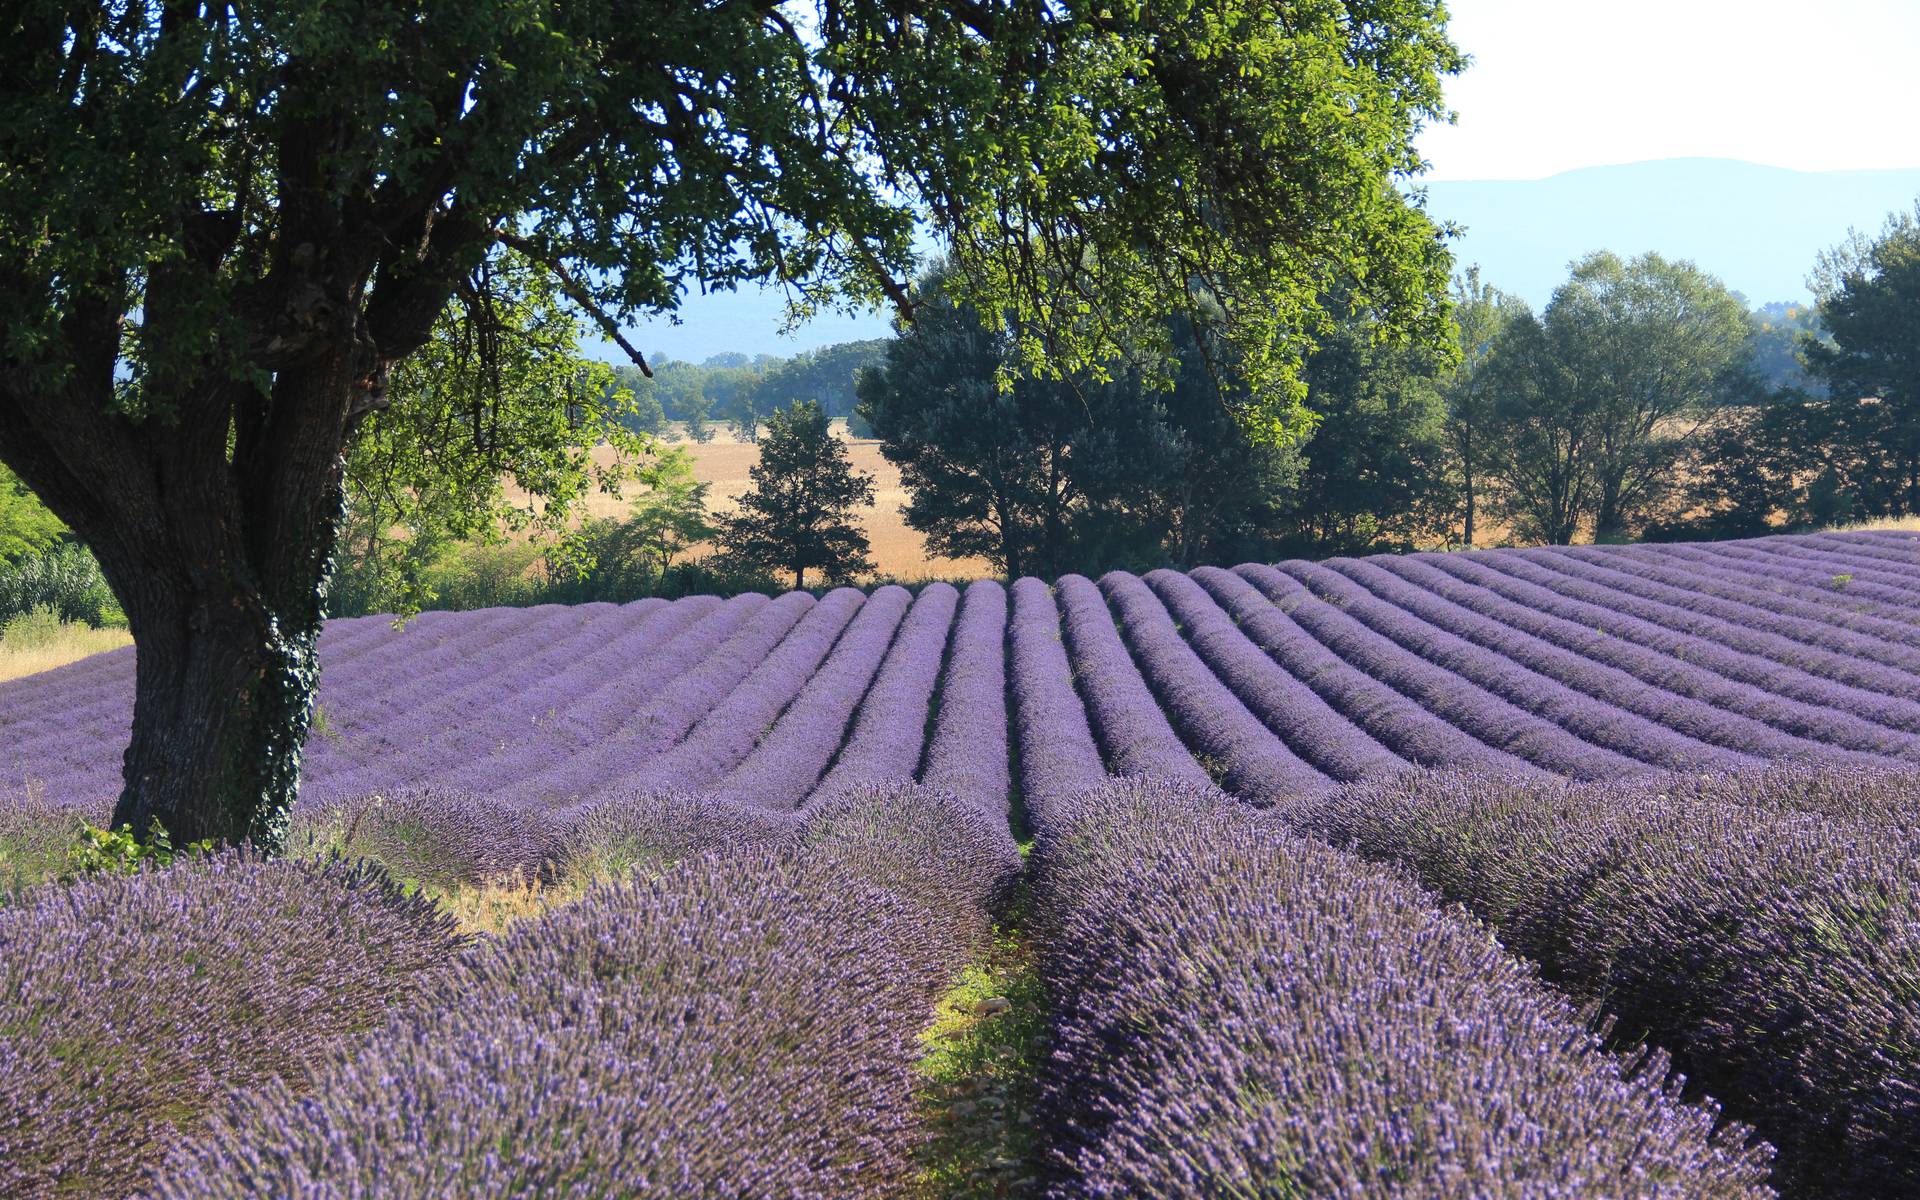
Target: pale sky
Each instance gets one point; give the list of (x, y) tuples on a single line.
[(1815, 85)]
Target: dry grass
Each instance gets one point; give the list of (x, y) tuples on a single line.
[(1894, 524), (43, 650), (898, 551), (497, 905)]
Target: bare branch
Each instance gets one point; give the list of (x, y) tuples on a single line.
[(577, 293)]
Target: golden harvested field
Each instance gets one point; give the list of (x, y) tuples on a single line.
[(898, 552), (22, 656)]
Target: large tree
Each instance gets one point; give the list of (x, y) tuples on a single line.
[(1542, 437), (799, 514), (1650, 345), (1869, 293), (987, 469), (223, 225), (1594, 402), (1046, 476), (1373, 476)]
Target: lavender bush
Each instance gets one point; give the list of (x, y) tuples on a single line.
[(34, 836), (1816, 620), (1058, 756), (425, 835), (731, 729), (927, 846), (1527, 586), (1680, 667), (967, 754), (1241, 1013), (1398, 722), (1765, 930), (664, 714), (1597, 664), (1596, 713), (615, 834), (131, 1003), (741, 1025), (1465, 704), (1749, 630), (1831, 584)]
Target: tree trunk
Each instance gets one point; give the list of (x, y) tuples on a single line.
[(215, 524), (1609, 522), (1468, 531), (1009, 540), (223, 699), (210, 486)]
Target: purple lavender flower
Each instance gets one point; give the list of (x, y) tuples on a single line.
[(133, 1002), (1765, 929), (1244, 1013)]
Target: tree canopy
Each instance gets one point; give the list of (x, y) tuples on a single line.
[(1080, 474), (1648, 345), (1374, 475), (1598, 398), (25, 524), (500, 394), (669, 515)]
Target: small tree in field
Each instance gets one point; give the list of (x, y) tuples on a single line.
[(671, 514), (799, 514)]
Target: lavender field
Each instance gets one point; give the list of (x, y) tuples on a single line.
[(1564, 872)]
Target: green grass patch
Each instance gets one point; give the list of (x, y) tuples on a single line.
[(977, 1075)]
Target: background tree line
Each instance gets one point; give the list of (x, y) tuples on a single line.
[(738, 390), (1644, 400)]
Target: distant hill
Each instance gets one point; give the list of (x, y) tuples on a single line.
[(1757, 228)]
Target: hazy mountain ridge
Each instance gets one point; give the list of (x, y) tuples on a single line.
[(1759, 228)]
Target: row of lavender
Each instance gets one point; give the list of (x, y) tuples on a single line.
[(1224, 992), (1587, 663), (738, 1020), (1246, 1013), (1763, 927)]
